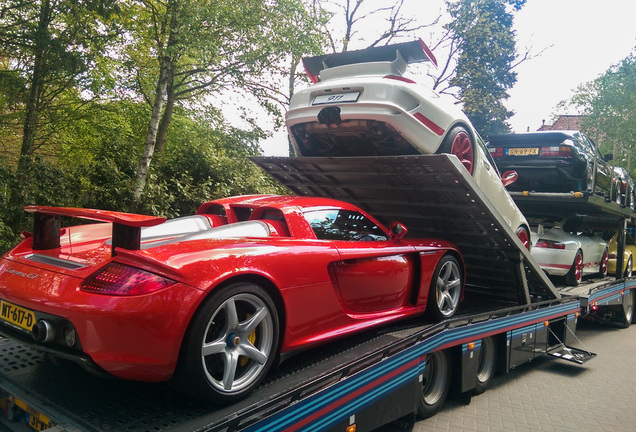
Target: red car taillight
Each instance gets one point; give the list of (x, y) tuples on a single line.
[(123, 280), (556, 151), (550, 244)]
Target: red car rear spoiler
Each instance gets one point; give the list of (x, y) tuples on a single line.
[(411, 52), (126, 226)]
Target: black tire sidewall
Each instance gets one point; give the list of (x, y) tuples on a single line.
[(491, 344), (447, 143), (432, 310), (190, 376), (425, 410)]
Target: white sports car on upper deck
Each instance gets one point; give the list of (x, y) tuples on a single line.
[(362, 105)]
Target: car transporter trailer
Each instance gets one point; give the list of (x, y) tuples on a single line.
[(511, 314)]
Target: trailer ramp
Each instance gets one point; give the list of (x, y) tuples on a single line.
[(434, 196)]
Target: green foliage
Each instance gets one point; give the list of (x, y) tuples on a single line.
[(43, 184), (609, 102), (200, 164), (482, 30), (74, 100)]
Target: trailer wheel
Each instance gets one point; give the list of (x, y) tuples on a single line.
[(628, 309), (602, 270), (446, 289), (487, 365), (459, 142), (575, 275), (230, 345), (434, 385)]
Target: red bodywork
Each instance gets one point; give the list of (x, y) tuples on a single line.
[(323, 288)]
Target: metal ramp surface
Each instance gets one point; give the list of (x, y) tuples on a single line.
[(434, 196)]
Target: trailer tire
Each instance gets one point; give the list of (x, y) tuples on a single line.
[(487, 365), (575, 275), (627, 309), (434, 384), (230, 345)]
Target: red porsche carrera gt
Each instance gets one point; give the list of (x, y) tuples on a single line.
[(211, 301)]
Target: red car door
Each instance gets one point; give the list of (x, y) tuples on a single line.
[(374, 276)]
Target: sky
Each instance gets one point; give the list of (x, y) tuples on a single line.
[(573, 42)]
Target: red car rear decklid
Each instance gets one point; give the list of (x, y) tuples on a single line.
[(126, 226), (412, 52)]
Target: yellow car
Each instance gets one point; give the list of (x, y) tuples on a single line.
[(628, 258)]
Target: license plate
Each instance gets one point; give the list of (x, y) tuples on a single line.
[(336, 98), (35, 419), (17, 315), (523, 151)]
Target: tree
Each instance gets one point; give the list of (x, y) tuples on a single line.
[(199, 48), (609, 106), (51, 45), (482, 56), (369, 23)]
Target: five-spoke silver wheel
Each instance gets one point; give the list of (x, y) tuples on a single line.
[(230, 345), (238, 341), (447, 285)]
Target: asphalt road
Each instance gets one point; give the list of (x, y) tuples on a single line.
[(554, 395)]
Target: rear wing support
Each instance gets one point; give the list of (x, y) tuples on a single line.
[(126, 232), (406, 53)]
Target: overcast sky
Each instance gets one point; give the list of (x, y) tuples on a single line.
[(583, 39), (578, 40)]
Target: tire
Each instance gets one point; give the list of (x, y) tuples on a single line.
[(446, 289), (487, 365), (434, 385), (602, 270), (524, 236), (629, 268), (628, 309), (459, 143), (230, 345), (575, 275)]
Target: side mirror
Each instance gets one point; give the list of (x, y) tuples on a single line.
[(397, 231), (608, 157), (509, 177)]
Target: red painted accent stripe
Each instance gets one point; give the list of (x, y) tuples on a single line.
[(429, 124), (344, 400)]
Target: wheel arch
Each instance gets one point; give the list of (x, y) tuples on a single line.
[(463, 123), (270, 288)]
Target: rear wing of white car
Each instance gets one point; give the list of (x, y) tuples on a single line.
[(402, 54)]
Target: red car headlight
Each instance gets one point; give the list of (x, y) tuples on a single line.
[(122, 280)]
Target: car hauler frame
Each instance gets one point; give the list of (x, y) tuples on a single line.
[(511, 314)]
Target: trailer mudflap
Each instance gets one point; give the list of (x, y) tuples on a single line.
[(571, 354)]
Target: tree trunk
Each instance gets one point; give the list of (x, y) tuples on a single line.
[(167, 117), (166, 72), (33, 102), (151, 135)]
